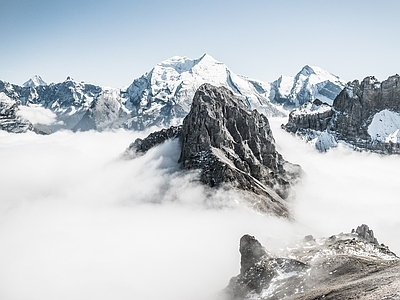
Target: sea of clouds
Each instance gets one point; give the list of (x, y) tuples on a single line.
[(79, 222)]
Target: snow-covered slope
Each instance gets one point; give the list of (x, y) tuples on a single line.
[(163, 96), (309, 84), (385, 127)]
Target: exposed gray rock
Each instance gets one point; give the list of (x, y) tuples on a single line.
[(351, 116), (344, 266), (232, 147), (365, 233)]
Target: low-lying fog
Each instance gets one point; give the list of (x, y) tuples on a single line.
[(77, 222)]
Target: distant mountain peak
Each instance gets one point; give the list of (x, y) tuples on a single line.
[(308, 70), (35, 81), (69, 78)]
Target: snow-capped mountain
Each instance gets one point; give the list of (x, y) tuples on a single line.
[(163, 96), (309, 84), (34, 82)]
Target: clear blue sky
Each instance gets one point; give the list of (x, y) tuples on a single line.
[(112, 42)]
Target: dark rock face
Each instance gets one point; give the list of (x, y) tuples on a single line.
[(344, 266), (231, 146), (352, 114)]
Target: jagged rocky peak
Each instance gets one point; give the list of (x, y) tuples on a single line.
[(232, 147), (232, 144), (251, 252), (344, 266), (365, 233)]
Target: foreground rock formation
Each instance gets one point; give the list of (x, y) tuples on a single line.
[(232, 147), (344, 266), (364, 115)]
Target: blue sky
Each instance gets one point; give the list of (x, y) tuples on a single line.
[(113, 42)]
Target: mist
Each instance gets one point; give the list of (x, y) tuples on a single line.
[(79, 222)]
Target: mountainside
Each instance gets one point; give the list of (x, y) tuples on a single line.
[(232, 147), (364, 115), (343, 266), (309, 84), (163, 96)]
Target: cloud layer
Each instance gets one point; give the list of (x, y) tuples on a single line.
[(77, 222)]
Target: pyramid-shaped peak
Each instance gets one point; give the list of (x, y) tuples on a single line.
[(35, 81), (308, 70)]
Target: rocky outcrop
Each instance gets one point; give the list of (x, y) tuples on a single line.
[(364, 115), (314, 115), (344, 266), (231, 146), (365, 233)]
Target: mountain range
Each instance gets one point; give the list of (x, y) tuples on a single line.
[(160, 97)]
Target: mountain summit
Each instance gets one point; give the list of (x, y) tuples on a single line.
[(35, 81)]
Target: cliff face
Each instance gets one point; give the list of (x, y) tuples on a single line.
[(344, 266), (231, 146), (365, 115)]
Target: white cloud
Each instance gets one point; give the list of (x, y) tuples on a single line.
[(37, 114), (78, 223)]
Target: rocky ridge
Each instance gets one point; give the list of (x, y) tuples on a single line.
[(364, 115), (232, 147), (343, 266)]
